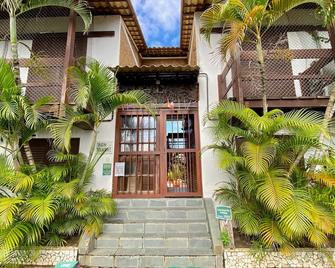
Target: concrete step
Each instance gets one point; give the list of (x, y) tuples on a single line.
[(109, 242), (150, 252), (159, 214), (155, 235), (152, 261), (161, 228), (160, 203)]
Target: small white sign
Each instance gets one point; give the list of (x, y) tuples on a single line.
[(104, 146), (120, 169)]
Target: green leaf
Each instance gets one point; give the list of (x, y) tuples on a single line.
[(296, 218), (41, 209), (275, 190), (259, 157), (9, 207), (271, 233)]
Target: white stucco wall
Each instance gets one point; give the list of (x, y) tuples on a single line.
[(211, 65), (105, 49)]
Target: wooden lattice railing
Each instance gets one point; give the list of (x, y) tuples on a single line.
[(297, 67)]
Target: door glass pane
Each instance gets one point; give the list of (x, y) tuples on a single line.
[(138, 133), (180, 131)]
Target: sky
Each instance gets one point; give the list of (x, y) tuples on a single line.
[(160, 21)]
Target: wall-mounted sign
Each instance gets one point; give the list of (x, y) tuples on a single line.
[(119, 169), (104, 146), (223, 213), (106, 169)]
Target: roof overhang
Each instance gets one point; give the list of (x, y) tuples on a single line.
[(125, 9), (155, 73)]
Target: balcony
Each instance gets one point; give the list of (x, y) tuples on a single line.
[(299, 70)]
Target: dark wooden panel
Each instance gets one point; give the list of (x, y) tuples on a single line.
[(41, 147)]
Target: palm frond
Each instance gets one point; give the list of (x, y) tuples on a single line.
[(80, 7), (61, 130), (247, 219), (12, 236), (258, 157), (40, 210), (275, 190), (271, 234), (9, 207), (322, 177), (296, 218), (66, 189)]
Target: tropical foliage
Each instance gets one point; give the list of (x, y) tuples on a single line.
[(248, 21), (96, 97), (19, 119), (16, 8), (271, 191), (48, 206)]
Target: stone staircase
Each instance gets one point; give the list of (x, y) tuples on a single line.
[(158, 233)]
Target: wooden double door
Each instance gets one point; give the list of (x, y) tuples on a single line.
[(161, 154)]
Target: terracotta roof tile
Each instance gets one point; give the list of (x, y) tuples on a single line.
[(156, 68)]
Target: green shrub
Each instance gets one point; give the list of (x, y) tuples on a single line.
[(272, 193), (49, 206), (225, 238)]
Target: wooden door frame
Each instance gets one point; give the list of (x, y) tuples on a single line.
[(162, 151), (197, 149)]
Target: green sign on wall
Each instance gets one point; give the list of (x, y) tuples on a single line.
[(107, 169), (223, 213)]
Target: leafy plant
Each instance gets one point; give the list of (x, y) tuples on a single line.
[(225, 238), (177, 169), (269, 190), (50, 205), (96, 97), (16, 8), (19, 119)]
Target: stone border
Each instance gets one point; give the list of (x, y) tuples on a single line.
[(302, 257), (86, 244), (50, 256), (214, 227)]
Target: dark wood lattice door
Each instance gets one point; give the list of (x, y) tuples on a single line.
[(182, 154), (161, 154)]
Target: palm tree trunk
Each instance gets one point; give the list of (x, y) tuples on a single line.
[(29, 155), (330, 106), (260, 58), (16, 67), (16, 154), (14, 48), (90, 156)]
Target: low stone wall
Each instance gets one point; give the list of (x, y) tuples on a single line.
[(50, 256), (237, 258)]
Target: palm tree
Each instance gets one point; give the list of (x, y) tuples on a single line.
[(246, 19), (269, 191), (16, 8), (48, 206), (19, 120), (96, 97)]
